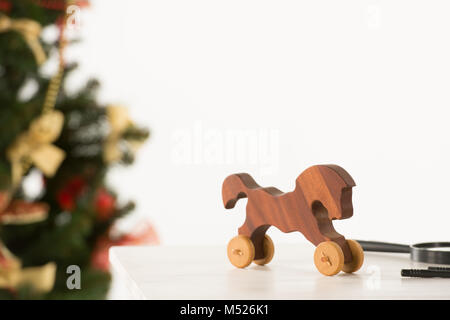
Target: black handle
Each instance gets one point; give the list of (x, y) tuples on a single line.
[(423, 273), (384, 246)]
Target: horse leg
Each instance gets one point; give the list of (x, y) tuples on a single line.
[(257, 236), (255, 228), (323, 230)]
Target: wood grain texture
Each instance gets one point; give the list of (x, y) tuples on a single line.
[(322, 193)]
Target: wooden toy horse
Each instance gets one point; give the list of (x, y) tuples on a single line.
[(322, 193)]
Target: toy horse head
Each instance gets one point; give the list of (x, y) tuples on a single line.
[(329, 187)]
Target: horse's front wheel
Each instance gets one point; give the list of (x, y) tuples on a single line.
[(329, 258), (241, 251)]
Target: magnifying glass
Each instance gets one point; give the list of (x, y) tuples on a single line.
[(428, 252)]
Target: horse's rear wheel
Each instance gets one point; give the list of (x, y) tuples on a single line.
[(241, 251), (269, 250)]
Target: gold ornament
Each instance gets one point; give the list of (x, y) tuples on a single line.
[(30, 31), (55, 81), (12, 275), (119, 122), (53, 90), (35, 147)]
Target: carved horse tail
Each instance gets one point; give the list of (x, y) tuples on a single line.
[(235, 187)]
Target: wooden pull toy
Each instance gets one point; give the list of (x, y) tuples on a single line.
[(322, 193)]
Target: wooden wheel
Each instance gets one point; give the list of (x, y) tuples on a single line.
[(241, 251), (358, 257), (269, 250), (329, 258)]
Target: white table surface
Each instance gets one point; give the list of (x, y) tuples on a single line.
[(165, 272)]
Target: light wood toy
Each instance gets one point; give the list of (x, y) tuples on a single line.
[(322, 193)]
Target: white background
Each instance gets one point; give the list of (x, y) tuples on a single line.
[(362, 84)]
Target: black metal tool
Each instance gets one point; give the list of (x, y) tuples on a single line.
[(428, 252), (439, 269), (425, 273)]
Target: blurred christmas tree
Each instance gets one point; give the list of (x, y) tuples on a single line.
[(70, 142)]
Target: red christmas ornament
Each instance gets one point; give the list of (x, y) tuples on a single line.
[(105, 204), (68, 195), (76, 186), (5, 6), (66, 200)]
